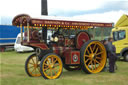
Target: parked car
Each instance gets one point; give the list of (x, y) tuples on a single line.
[(20, 48)]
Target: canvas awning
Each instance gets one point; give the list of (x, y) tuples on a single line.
[(24, 19), (123, 21)]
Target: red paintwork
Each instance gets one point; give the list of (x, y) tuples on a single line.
[(69, 57), (82, 37), (60, 50), (55, 49), (69, 41), (66, 41), (75, 53), (40, 45)]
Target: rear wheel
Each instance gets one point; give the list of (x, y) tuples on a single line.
[(126, 56), (51, 66), (32, 66), (93, 56)]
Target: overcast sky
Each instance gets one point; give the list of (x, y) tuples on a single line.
[(88, 10)]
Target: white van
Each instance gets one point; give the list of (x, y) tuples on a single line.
[(20, 48)]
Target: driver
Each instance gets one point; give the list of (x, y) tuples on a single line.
[(55, 36), (58, 37), (56, 33)]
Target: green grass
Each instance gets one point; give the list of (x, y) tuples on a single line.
[(12, 73)]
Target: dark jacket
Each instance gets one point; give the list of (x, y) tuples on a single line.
[(111, 50)]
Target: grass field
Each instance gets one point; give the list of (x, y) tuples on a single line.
[(12, 73)]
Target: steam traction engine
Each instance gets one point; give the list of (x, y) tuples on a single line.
[(59, 44)]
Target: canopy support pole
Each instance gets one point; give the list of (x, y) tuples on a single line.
[(102, 33), (94, 33), (28, 39), (21, 31)]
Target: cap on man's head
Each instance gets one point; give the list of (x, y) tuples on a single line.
[(110, 38)]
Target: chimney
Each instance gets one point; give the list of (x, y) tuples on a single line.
[(44, 10)]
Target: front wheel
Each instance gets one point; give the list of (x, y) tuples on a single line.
[(51, 66), (32, 66)]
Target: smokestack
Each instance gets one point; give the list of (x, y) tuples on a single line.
[(44, 10)]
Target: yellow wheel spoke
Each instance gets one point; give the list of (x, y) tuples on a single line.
[(98, 58), (86, 60), (33, 61), (88, 51), (33, 70), (30, 67), (95, 64), (46, 64), (89, 63), (48, 61), (46, 68), (54, 61), (96, 50), (56, 65), (86, 55), (99, 53), (37, 60), (48, 72), (94, 47), (91, 49), (54, 71), (51, 72), (97, 61), (38, 69)]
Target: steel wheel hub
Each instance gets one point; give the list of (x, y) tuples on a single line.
[(51, 66), (92, 55)]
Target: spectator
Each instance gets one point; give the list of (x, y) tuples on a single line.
[(111, 55)]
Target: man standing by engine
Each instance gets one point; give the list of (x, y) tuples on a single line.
[(111, 55)]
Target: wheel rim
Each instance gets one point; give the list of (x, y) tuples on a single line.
[(52, 67), (33, 66), (95, 57)]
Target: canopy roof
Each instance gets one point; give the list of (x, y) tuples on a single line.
[(123, 21), (49, 22)]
